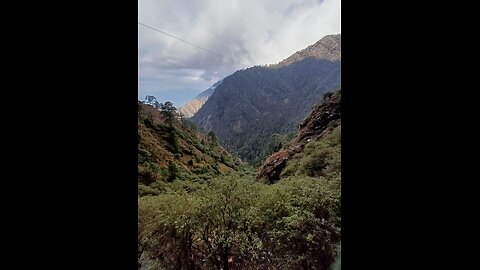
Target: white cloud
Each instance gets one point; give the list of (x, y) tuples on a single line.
[(252, 32)]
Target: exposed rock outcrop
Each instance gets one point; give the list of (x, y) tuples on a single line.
[(321, 121), (191, 108)]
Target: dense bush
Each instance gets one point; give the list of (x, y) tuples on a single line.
[(292, 224), (173, 172), (146, 190), (319, 158), (143, 156)]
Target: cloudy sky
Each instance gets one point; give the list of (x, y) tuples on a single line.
[(245, 32)]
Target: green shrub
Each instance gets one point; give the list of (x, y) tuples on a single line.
[(143, 156), (289, 225), (319, 158), (173, 172), (146, 190)]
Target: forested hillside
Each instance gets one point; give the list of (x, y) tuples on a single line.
[(171, 148), (231, 219), (249, 107)]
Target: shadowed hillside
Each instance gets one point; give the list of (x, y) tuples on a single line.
[(253, 104)]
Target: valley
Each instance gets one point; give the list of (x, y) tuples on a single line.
[(248, 174)]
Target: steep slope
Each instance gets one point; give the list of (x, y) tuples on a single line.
[(171, 149), (192, 107), (253, 104), (328, 48), (235, 222), (315, 150)]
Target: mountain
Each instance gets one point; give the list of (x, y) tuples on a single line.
[(170, 148), (288, 217), (315, 150), (252, 105), (328, 48), (192, 107), (209, 216)]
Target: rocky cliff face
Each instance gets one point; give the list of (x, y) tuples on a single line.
[(320, 122), (192, 107)]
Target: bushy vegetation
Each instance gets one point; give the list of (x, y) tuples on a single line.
[(173, 148), (258, 149), (201, 208), (318, 158), (292, 224)]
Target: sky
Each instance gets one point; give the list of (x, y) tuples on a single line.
[(245, 32)]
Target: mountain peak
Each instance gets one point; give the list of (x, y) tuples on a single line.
[(327, 48)]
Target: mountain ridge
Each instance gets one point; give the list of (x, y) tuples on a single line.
[(327, 48), (192, 107), (253, 104)]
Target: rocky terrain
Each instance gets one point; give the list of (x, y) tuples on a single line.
[(321, 121)]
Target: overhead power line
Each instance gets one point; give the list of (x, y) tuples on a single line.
[(189, 43)]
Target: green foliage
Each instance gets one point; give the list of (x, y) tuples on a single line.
[(154, 168), (263, 101), (319, 158), (173, 172), (148, 173), (307, 220), (257, 149), (200, 146), (212, 137), (148, 121), (292, 224), (146, 190), (143, 156), (172, 140), (162, 143), (168, 110), (190, 217)]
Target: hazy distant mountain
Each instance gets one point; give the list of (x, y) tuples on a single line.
[(192, 107), (251, 105)]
